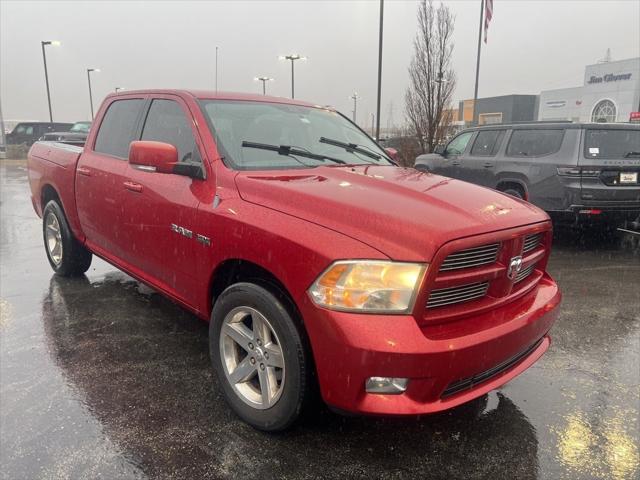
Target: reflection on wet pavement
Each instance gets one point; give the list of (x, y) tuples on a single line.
[(100, 376)]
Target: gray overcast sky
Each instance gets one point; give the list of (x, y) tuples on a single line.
[(533, 45)]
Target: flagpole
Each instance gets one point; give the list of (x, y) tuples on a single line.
[(475, 92)]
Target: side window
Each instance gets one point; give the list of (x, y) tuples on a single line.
[(487, 143), (534, 143), (166, 122), (117, 128), (459, 144)]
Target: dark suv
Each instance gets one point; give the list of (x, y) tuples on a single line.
[(573, 171), (28, 132)]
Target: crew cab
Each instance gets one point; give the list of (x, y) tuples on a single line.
[(577, 172), (314, 258)]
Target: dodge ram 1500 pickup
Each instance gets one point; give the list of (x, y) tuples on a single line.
[(315, 259)]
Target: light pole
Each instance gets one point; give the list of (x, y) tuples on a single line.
[(355, 98), (264, 81), (55, 43), (379, 69), (293, 57), (216, 70), (89, 70)]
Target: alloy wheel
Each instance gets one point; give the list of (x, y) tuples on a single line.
[(252, 357), (54, 238)]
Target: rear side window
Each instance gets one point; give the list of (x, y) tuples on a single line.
[(606, 143), (487, 143), (534, 143), (166, 122), (117, 128)]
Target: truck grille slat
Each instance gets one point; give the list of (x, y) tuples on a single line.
[(524, 273), (531, 242), (464, 293), (471, 257)]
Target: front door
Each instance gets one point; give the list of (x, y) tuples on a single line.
[(160, 208), (454, 151)]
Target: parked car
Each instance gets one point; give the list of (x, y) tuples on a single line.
[(314, 258), (76, 135), (28, 132), (573, 171)]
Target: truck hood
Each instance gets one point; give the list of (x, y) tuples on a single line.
[(405, 214)]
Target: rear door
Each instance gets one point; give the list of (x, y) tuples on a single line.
[(479, 164), (610, 161), (159, 208), (100, 175)]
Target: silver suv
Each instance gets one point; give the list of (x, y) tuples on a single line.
[(573, 171)]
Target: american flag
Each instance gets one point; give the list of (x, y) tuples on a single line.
[(488, 13)]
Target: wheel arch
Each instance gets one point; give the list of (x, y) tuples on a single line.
[(234, 270), (516, 181)]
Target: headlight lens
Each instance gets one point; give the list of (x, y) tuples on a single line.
[(368, 286)]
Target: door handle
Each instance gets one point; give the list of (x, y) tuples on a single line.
[(83, 171), (133, 186), (487, 165)]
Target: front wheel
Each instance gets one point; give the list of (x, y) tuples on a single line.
[(259, 357), (66, 255)]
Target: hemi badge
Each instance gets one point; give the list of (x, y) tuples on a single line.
[(202, 239)]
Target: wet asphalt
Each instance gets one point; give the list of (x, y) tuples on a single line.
[(100, 377)]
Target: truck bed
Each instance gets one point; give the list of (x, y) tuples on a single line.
[(52, 168)]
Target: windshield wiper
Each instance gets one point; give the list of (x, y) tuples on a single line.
[(288, 150), (351, 147), (631, 154)]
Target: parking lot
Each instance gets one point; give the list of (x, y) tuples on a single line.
[(101, 377)]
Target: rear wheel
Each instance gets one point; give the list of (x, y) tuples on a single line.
[(259, 357), (66, 255), (513, 190)]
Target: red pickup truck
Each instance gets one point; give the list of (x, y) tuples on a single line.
[(316, 260)]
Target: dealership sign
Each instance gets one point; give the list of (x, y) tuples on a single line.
[(609, 77)]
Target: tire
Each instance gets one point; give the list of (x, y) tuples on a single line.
[(251, 309), (66, 255), (514, 191)]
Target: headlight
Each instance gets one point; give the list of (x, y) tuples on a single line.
[(368, 286)]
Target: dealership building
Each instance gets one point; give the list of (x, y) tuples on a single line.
[(611, 91)]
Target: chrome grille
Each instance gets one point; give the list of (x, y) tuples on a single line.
[(522, 274), (471, 257), (531, 242), (463, 293)]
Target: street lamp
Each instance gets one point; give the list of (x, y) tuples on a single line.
[(55, 43), (355, 98), (89, 70), (264, 81), (293, 57)]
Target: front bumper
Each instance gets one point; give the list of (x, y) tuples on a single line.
[(445, 363)]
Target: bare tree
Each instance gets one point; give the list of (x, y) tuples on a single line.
[(432, 77)]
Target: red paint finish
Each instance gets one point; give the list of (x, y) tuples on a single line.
[(294, 224)]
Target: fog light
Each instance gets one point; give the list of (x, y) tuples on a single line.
[(386, 385)]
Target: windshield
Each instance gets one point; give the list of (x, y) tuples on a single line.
[(609, 143), (303, 129), (80, 127)]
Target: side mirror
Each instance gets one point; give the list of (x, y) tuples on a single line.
[(440, 150), (392, 152), (153, 156)]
